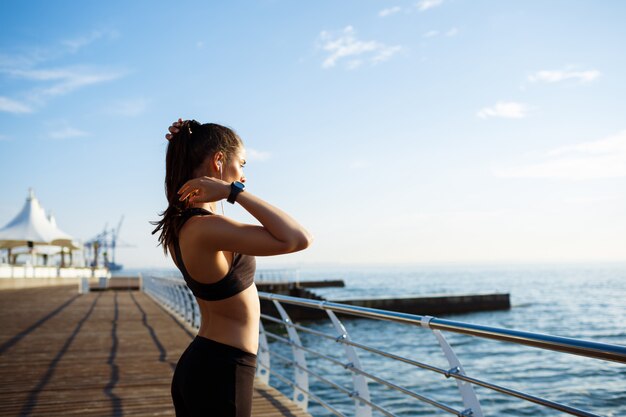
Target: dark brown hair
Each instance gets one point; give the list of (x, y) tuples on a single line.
[(186, 151)]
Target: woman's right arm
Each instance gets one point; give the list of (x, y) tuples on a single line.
[(278, 234), (279, 224)]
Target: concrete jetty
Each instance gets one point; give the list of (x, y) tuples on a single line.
[(434, 304), (437, 304)]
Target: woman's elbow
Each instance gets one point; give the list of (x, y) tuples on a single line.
[(302, 241), (307, 240)]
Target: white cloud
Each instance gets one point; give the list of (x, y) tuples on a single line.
[(346, 45), (431, 34), (74, 79), (40, 74), (424, 5), (591, 200), (386, 53), (63, 80), (30, 57), (505, 109), (548, 76), (66, 132), (77, 43), (390, 11), (421, 6), (354, 64), (615, 143), (604, 158), (452, 32), (8, 62), (360, 164), (256, 155), (130, 107), (50, 82), (11, 106)]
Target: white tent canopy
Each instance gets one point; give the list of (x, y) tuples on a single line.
[(32, 225)]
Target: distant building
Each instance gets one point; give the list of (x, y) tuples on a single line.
[(34, 246)]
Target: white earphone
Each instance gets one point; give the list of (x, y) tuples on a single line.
[(219, 165)]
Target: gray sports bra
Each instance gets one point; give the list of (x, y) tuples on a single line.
[(239, 277)]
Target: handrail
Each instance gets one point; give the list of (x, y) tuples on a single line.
[(598, 350)]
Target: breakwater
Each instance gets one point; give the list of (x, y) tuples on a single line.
[(441, 304)]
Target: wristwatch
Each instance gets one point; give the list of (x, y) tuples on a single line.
[(235, 188)]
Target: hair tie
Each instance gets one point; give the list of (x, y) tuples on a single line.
[(189, 123), (184, 124)]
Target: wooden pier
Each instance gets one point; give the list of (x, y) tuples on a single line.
[(105, 353)]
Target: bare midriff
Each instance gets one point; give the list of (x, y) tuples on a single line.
[(233, 321)]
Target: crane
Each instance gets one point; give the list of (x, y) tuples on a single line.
[(107, 241)]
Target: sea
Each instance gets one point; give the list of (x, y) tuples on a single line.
[(586, 301)]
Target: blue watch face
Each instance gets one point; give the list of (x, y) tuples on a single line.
[(239, 185)]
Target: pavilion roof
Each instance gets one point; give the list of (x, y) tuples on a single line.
[(32, 225)]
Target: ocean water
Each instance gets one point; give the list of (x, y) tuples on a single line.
[(580, 301)]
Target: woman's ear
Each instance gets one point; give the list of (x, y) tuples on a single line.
[(218, 161)]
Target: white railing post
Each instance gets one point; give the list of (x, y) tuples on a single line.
[(188, 305), (171, 297), (83, 286), (301, 376), (470, 401), (263, 368), (181, 305), (196, 309), (358, 381)]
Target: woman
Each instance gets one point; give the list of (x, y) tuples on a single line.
[(215, 254)]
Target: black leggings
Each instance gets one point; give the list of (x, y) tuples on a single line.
[(213, 379)]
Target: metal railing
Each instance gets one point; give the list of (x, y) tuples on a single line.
[(39, 271), (465, 383), (175, 296), (277, 275)]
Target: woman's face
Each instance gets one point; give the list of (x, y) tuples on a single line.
[(233, 169)]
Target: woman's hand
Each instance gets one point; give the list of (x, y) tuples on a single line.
[(204, 190), (174, 128)]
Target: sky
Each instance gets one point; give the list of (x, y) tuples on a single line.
[(396, 132)]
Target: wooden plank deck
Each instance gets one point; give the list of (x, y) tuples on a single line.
[(106, 353)]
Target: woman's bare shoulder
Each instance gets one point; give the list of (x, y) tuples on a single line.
[(198, 226)]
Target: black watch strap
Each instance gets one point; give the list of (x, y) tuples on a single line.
[(235, 188)]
